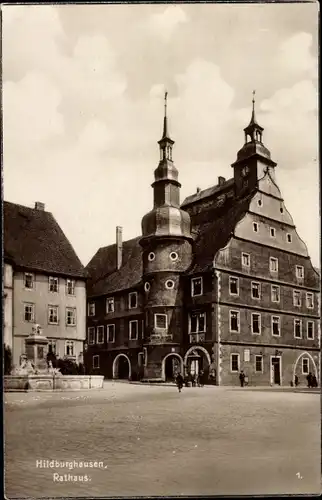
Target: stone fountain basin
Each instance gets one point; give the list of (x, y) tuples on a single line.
[(48, 382)]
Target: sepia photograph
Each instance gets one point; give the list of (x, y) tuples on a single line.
[(161, 258)]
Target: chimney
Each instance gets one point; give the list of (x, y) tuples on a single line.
[(119, 247), (221, 181), (39, 206), (198, 190)]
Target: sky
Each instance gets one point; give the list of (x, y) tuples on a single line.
[(83, 95)]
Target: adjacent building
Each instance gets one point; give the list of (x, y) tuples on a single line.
[(44, 283), (221, 283)]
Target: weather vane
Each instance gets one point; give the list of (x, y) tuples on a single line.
[(165, 103)]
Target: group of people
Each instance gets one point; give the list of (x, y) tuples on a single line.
[(311, 380), (197, 379)]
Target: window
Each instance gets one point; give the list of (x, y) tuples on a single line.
[(70, 316), (100, 334), (161, 321), (272, 232), (91, 335), (174, 256), (298, 328), (151, 256), (305, 366), (52, 346), (273, 265), (91, 309), (147, 286), (110, 305), (276, 330), (282, 210), (260, 203), (133, 330), (256, 290), (29, 312), (310, 330), (245, 260), (96, 361), (70, 287), (299, 272), (234, 321), (169, 284), (289, 238), (29, 281), (110, 333), (297, 301), (256, 323), (53, 284), (275, 293), (259, 363), (133, 300), (233, 286), (69, 348), (198, 322), (53, 315), (309, 300), (234, 362), (246, 355), (196, 286), (255, 227)]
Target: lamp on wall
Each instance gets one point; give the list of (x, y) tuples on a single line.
[(85, 346)]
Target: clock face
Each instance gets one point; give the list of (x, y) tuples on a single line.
[(245, 170)]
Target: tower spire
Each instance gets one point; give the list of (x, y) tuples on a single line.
[(253, 119), (253, 131), (165, 134)]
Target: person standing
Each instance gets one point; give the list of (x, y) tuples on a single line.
[(242, 378), (179, 381), (309, 380)]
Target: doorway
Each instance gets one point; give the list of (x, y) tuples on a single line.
[(276, 370), (122, 367), (172, 367)]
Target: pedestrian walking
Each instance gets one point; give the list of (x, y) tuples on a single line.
[(179, 381), (201, 378), (309, 380), (296, 380), (242, 378), (314, 381)]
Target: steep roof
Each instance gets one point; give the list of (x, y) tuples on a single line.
[(215, 234), (206, 193), (105, 278), (33, 239)]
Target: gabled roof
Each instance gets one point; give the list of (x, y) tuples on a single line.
[(207, 193), (215, 234), (105, 278), (34, 240)]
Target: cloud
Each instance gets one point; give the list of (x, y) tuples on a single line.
[(295, 55), (31, 115), (164, 24)]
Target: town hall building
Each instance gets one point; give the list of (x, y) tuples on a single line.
[(221, 282)]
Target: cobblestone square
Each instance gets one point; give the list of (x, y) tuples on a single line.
[(155, 441)]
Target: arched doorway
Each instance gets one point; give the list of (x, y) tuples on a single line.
[(172, 364), (197, 359), (301, 370), (122, 367)]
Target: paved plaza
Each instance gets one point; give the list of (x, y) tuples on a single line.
[(128, 440)]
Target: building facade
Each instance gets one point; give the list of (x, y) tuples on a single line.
[(44, 283), (221, 283)]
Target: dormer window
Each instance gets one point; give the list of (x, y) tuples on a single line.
[(133, 300), (196, 287)]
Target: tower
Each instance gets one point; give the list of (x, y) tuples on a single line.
[(167, 253), (253, 159)]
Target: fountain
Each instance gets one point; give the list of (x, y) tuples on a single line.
[(35, 374)]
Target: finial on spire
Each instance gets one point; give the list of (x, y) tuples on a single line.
[(165, 103)]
